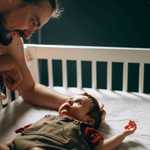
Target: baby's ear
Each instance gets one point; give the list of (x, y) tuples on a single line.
[(90, 121), (102, 107)]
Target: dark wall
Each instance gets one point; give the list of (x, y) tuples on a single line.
[(100, 23), (121, 23)]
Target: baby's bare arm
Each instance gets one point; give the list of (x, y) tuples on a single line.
[(115, 141)]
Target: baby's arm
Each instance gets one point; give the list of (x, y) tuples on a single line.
[(116, 140)]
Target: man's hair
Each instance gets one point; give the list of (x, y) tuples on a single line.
[(95, 112), (53, 4)]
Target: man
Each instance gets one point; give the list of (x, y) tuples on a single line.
[(21, 18)]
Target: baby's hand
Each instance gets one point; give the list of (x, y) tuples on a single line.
[(130, 127)]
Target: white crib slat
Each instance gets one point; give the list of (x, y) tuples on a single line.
[(36, 70), (8, 93), (64, 73), (94, 77), (105, 54), (141, 77), (109, 75), (125, 77), (79, 84), (50, 73)]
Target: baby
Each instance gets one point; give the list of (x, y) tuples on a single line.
[(74, 129)]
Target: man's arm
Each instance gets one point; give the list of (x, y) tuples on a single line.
[(43, 96), (32, 92)]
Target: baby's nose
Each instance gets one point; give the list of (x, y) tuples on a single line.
[(70, 102)]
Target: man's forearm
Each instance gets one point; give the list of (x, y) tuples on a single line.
[(32, 92), (43, 96), (38, 94)]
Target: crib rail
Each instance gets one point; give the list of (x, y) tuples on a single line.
[(93, 54), (109, 55)]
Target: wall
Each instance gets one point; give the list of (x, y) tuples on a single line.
[(100, 22)]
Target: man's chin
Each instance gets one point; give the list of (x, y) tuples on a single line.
[(23, 34)]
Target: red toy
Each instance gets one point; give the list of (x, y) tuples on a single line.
[(131, 124)]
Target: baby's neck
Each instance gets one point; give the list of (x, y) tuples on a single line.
[(69, 118)]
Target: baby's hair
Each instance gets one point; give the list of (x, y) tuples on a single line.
[(95, 112)]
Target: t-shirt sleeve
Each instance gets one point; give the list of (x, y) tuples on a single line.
[(92, 136)]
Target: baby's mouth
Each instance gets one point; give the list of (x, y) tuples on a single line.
[(64, 109)]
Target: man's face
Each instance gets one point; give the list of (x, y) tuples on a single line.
[(77, 108), (29, 18)]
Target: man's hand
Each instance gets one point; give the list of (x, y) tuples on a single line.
[(12, 78)]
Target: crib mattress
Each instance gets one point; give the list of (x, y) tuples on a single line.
[(120, 108)]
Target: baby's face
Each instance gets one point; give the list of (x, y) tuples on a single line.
[(77, 108)]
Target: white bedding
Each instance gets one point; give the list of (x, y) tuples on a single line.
[(120, 108)]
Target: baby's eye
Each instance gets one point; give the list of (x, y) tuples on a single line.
[(79, 101)]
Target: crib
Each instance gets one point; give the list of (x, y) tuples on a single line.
[(121, 104)]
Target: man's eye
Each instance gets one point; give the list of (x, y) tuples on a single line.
[(35, 22)]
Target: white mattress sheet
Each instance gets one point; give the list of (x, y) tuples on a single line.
[(120, 108)]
